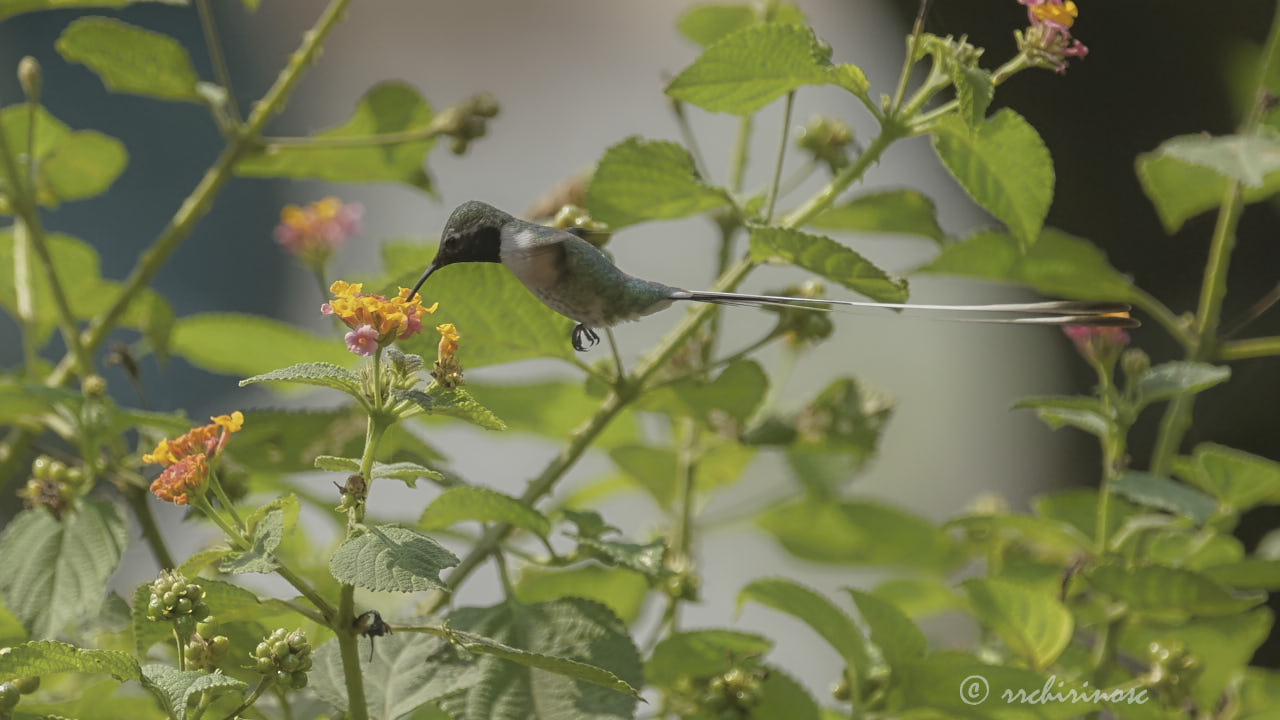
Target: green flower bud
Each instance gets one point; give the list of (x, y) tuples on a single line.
[(206, 626), (264, 664), (27, 685), (9, 696), (40, 467), (298, 680), (1134, 362), (29, 78), (183, 606), (458, 146), (57, 471), (485, 105), (94, 386), (840, 691), (289, 662), (219, 645)]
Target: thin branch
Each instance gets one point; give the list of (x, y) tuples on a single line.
[(772, 198), (216, 56)]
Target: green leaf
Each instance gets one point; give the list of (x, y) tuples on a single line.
[(54, 572), (46, 657), (264, 539), (936, 687), (392, 107), (827, 258), (654, 468), (510, 325), (1035, 625), (621, 591), (975, 89), (1161, 492), (407, 671), (749, 68), (455, 402), (888, 211), (649, 559), (1003, 165), (734, 394), (277, 442), (1250, 573), (1157, 588), (814, 610), (406, 472), (854, 532), (70, 165), (1247, 159), (700, 653), (1180, 377), (130, 59), (1079, 509), (9, 8), (176, 688), (1082, 413), (1180, 190), (232, 602), (707, 23), (782, 698), (567, 658), (390, 558), (899, 640), (1237, 479), (319, 374), (1057, 265), (638, 180), (238, 344), (459, 504), (1050, 536), (917, 597), (551, 408)]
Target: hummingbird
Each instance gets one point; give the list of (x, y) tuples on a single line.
[(577, 280)]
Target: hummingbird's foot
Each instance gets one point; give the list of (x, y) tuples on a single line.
[(582, 331)]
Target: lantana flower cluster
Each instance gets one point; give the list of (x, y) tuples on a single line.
[(1048, 41), (446, 370), (375, 320), (186, 458), (311, 233)]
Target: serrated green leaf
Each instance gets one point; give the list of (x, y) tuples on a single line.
[(551, 408), (1057, 265), (700, 653), (857, 532), (46, 657), (827, 258), (390, 558), (1035, 625), (1180, 190), (935, 687), (638, 180), (1237, 479), (391, 107), (888, 211), (1079, 509), (70, 165), (1161, 492), (454, 402), (748, 68), (1003, 165), (1247, 159), (899, 640), (649, 559), (576, 660), (1082, 413), (1250, 573), (1157, 588), (202, 559), (621, 591), (9, 8), (654, 468), (918, 597), (975, 89), (264, 538), (734, 395), (408, 670), (405, 472), (1048, 536), (459, 504), (1180, 377), (130, 59), (319, 374), (707, 23), (246, 345), (782, 698), (814, 610), (53, 572), (177, 689)]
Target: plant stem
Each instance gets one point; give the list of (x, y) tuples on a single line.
[(741, 152), (844, 178), (348, 647), (177, 641), (617, 356), (216, 56), (690, 140), (1251, 348), (137, 499), (225, 501), (913, 45), (772, 197), (431, 130), (263, 684), (26, 304)]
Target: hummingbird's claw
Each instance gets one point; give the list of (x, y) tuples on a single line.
[(580, 331)]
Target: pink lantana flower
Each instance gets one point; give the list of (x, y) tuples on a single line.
[(363, 340), (1098, 344), (312, 233), (1048, 42)]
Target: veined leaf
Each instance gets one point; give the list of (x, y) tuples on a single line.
[(1180, 190), (390, 558), (917, 597), (827, 258), (1169, 380), (176, 688), (1250, 574), (1004, 166), (1248, 159), (9, 8), (638, 180), (454, 402), (1082, 413), (54, 572), (391, 107), (477, 503), (899, 640), (70, 165), (857, 532), (888, 211), (1079, 509), (264, 537), (320, 374), (1035, 625), (814, 610), (700, 653), (238, 344), (621, 591), (734, 394), (649, 559), (708, 22), (46, 657), (130, 59), (782, 698), (405, 472), (654, 468), (1157, 588), (1163, 493), (1237, 479)]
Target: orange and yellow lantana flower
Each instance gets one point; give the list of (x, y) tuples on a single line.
[(375, 321), (186, 458)]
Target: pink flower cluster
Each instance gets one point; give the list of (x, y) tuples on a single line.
[(1097, 343), (313, 232), (1048, 41)]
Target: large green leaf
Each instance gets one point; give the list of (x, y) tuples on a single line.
[(510, 325), (1003, 165), (390, 558), (814, 610), (696, 654), (1180, 377), (899, 640), (827, 258), (886, 211), (45, 657), (238, 344), (1237, 479), (392, 107), (734, 395), (638, 180), (1047, 536), (130, 59), (1180, 190), (9, 8), (1035, 625), (407, 670), (1247, 159), (1157, 588), (319, 374), (53, 572), (1078, 508), (621, 591), (460, 504), (857, 532), (916, 597), (748, 68), (177, 689), (70, 165), (265, 535), (568, 658), (1161, 492), (551, 408), (951, 684), (452, 402), (1058, 265)]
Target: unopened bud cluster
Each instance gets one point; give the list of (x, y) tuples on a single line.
[(284, 655), (828, 139), (733, 695), (173, 598), (467, 122), (205, 649), (51, 485)]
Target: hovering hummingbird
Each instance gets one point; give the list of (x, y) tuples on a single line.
[(577, 280)]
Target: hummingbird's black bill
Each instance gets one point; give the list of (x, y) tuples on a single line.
[(430, 269)]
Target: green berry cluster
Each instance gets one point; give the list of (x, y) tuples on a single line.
[(175, 599), (468, 121), (286, 655), (733, 694), (52, 485), (205, 649)]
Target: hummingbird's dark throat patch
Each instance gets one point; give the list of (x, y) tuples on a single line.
[(483, 244)]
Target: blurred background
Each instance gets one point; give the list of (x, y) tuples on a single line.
[(576, 76)]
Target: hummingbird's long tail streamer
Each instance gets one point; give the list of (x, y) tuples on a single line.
[(1052, 312)]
